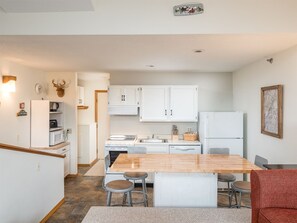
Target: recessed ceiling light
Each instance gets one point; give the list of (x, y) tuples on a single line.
[(198, 51), (150, 65)]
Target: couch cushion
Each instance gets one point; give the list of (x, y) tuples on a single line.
[(277, 215)]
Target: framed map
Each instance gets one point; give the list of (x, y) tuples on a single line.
[(272, 111)]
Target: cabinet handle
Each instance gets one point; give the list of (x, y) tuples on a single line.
[(165, 112), (124, 97), (171, 112)]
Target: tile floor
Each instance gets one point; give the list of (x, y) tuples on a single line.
[(83, 192)]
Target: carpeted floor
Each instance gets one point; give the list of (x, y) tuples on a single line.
[(82, 192)]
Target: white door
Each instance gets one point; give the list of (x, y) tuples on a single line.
[(154, 103), (184, 103), (235, 145), (224, 125), (102, 122)]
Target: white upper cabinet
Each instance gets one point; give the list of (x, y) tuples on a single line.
[(123, 100), (184, 103), (169, 103), (154, 103)]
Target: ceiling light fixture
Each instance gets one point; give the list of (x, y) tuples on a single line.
[(150, 65), (8, 83), (188, 9)]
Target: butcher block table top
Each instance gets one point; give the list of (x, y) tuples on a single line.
[(182, 163)]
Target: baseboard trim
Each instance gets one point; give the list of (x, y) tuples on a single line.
[(52, 211), (88, 165), (72, 175)]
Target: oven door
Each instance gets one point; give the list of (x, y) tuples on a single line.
[(114, 154)]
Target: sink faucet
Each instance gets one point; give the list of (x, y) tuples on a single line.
[(153, 136)]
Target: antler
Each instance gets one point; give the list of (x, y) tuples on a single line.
[(55, 85), (59, 85)]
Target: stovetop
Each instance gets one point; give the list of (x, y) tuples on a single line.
[(122, 137), (121, 140)]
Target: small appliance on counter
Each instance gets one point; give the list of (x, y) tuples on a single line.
[(56, 137), (54, 106), (53, 123)]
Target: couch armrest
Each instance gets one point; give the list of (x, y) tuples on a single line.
[(273, 188)]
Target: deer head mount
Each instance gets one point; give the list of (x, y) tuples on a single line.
[(60, 87)]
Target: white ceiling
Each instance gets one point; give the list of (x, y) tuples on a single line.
[(28, 6), (221, 53)]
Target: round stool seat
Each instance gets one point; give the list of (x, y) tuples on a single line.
[(135, 175), (226, 177), (242, 186), (119, 186)]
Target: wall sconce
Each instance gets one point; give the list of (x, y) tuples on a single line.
[(8, 83)]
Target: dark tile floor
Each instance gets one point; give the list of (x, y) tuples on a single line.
[(83, 192)]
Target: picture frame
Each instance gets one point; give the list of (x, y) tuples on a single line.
[(272, 111)]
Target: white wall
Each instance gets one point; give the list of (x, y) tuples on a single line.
[(31, 186), (70, 116), (156, 17), (16, 130), (88, 116), (215, 94), (247, 84)]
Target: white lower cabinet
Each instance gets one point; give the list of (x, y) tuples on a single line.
[(156, 149), (66, 152)]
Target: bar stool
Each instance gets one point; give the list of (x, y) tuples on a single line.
[(226, 178), (117, 186), (139, 176), (134, 176), (244, 186)]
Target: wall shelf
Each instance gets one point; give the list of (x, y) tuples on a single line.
[(82, 107)]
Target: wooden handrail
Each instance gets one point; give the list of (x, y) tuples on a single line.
[(27, 150)]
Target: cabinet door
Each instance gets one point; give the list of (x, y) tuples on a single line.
[(154, 103), (123, 95), (183, 103), (39, 123), (157, 149), (66, 152)]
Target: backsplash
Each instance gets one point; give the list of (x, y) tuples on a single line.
[(132, 125)]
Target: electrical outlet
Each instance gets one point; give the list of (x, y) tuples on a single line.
[(69, 131)]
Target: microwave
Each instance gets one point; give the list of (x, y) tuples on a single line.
[(56, 137)]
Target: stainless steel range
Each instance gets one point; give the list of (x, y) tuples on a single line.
[(117, 144)]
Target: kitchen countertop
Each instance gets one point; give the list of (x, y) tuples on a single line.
[(170, 142), (56, 147), (167, 215), (182, 163)]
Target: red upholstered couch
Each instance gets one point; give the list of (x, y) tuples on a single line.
[(274, 196)]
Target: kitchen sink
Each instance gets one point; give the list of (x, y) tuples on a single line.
[(153, 140)]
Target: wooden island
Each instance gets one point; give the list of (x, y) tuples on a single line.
[(183, 180)]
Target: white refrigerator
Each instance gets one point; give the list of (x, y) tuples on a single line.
[(221, 130)]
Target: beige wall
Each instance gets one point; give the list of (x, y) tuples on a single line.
[(247, 84), (16, 130), (215, 94)]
